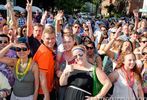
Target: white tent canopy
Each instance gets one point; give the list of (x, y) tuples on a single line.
[(34, 9), (18, 8), (2, 7)]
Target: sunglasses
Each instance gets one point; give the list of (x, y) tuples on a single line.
[(21, 49), (144, 53), (76, 27), (87, 30), (143, 41), (89, 48), (5, 42), (76, 56), (24, 31)]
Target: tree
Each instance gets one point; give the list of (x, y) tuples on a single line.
[(111, 9), (98, 6), (69, 5)]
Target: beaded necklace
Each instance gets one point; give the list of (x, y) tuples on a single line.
[(20, 75)]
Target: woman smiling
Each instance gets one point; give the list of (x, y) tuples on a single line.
[(78, 78), (25, 71)]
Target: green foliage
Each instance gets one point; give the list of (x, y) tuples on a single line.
[(84, 8), (111, 9), (69, 5)]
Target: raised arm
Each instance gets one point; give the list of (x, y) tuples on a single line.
[(90, 31), (58, 19), (29, 18), (7, 60), (43, 18), (136, 16), (9, 7), (108, 46)]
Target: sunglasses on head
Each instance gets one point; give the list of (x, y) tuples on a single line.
[(76, 56), (89, 48), (3, 42), (18, 49)]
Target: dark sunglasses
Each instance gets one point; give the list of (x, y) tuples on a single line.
[(76, 27), (87, 30), (144, 53), (89, 48), (143, 41), (3, 42), (19, 49), (24, 30), (76, 56)]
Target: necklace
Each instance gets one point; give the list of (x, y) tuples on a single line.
[(129, 77), (20, 75)]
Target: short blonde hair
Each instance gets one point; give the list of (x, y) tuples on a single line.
[(47, 31)]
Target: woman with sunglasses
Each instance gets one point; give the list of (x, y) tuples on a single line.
[(5, 70), (92, 57), (144, 71), (78, 78), (25, 71)]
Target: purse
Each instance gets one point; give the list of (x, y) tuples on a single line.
[(97, 86)]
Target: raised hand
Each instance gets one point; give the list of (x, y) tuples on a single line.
[(135, 12), (118, 32), (68, 68), (59, 15), (8, 5), (29, 5)]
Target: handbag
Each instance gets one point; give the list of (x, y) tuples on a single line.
[(97, 86)]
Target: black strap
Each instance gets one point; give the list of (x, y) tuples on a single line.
[(134, 93)]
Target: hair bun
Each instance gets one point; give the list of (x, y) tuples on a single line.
[(22, 40)]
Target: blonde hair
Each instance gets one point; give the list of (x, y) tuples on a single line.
[(69, 35), (115, 44), (47, 31)]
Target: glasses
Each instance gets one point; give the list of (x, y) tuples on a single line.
[(76, 27), (76, 56), (87, 30), (21, 49), (144, 53), (104, 30), (4, 42), (89, 48), (143, 41), (24, 31)]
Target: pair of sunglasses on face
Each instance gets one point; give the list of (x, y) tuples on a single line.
[(4, 42), (143, 41), (76, 27), (78, 55), (89, 48), (144, 53), (18, 49)]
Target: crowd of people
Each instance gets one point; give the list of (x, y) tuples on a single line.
[(55, 57)]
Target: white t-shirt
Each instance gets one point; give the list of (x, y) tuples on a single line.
[(4, 84)]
